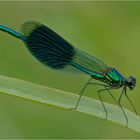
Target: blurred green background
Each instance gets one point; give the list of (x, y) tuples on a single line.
[(108, 30)]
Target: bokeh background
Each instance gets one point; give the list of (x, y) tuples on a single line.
[(107, 30)]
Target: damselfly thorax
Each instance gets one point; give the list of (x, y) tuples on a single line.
[(112, 77)]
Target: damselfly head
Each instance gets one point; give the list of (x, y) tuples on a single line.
[(131, 82)]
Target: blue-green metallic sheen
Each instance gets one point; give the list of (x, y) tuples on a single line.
[(11, 31)]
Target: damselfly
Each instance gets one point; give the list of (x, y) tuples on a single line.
[(52, 50)]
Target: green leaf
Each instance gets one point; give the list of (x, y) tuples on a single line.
[(67, 100)]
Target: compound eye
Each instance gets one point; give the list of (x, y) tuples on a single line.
[(131, 82)]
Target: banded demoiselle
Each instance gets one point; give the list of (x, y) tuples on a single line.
[(54, 51)]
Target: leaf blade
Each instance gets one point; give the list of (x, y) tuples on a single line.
[(66, 100)]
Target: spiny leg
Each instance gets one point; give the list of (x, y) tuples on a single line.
[(81, 93), (83, 89), (124, 91), (99, 91), (99, 84), (119, 101), (108, 88), (118, 105), (130, 101)]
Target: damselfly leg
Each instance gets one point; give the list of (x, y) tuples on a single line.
[(106, 88), (82, 92), (124, 91)]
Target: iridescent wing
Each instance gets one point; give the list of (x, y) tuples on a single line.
[(89, 62), (54, 51), (47, 46)]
